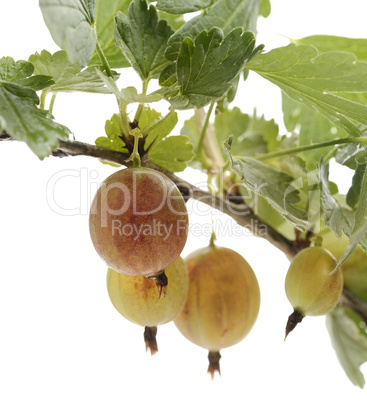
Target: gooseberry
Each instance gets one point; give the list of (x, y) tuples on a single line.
[(309, 287), (137, 299), (138, 222), (355, 267), (223, 301)]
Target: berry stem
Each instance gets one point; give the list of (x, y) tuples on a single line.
[(161, 281), (214, 366), (213, 238), (293, 320), (150, 334)]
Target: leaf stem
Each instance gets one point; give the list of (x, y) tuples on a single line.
[(103, 59), (203, 131), (124, 118), (276, 154), (43, 96), (52, 102), (141, 105)]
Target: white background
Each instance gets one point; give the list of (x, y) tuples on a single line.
[(60, 337)]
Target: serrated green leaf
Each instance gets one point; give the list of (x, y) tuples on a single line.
[(354, 191), (106, 11), (252, 135), (148, 116), (20, 117), (351, 155), (207, 67), (175, 21), (276, 187), (67, 77), (172, 153), (318, 80), (21, 72), (312, 127), (113, 141), (229, 96), (86, 81), (336, 216), (156, 127), (223, 14), (192, 128), (70, 24), (261, 207), (209, 157), (142, 38), (183, 6), (349, 341), (327, 43), (168, 76), (56, 65), (359, 231)]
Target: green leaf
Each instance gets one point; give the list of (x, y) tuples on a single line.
[(207, 67), (265, 8), (21, 72), (229, 96), (349, 340), (353, 194), (312, 127), (174, 21), (154, 127), (276, 187), (351, 155), (90, 8), (336, 216), (70, 24), (86, 81), (67, 77), (106, 11), (142, 38), (252, 135), (358, 233), (209, 157), (148, 117), (223, 14), (130, 95), (266, 212), (168, 76), (22, 120), (172, 153), (183, 6), (192, 129), (318, 81), (113, 141), (327, 43)]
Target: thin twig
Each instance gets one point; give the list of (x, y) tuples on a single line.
[(349, 299), (240, 212)]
